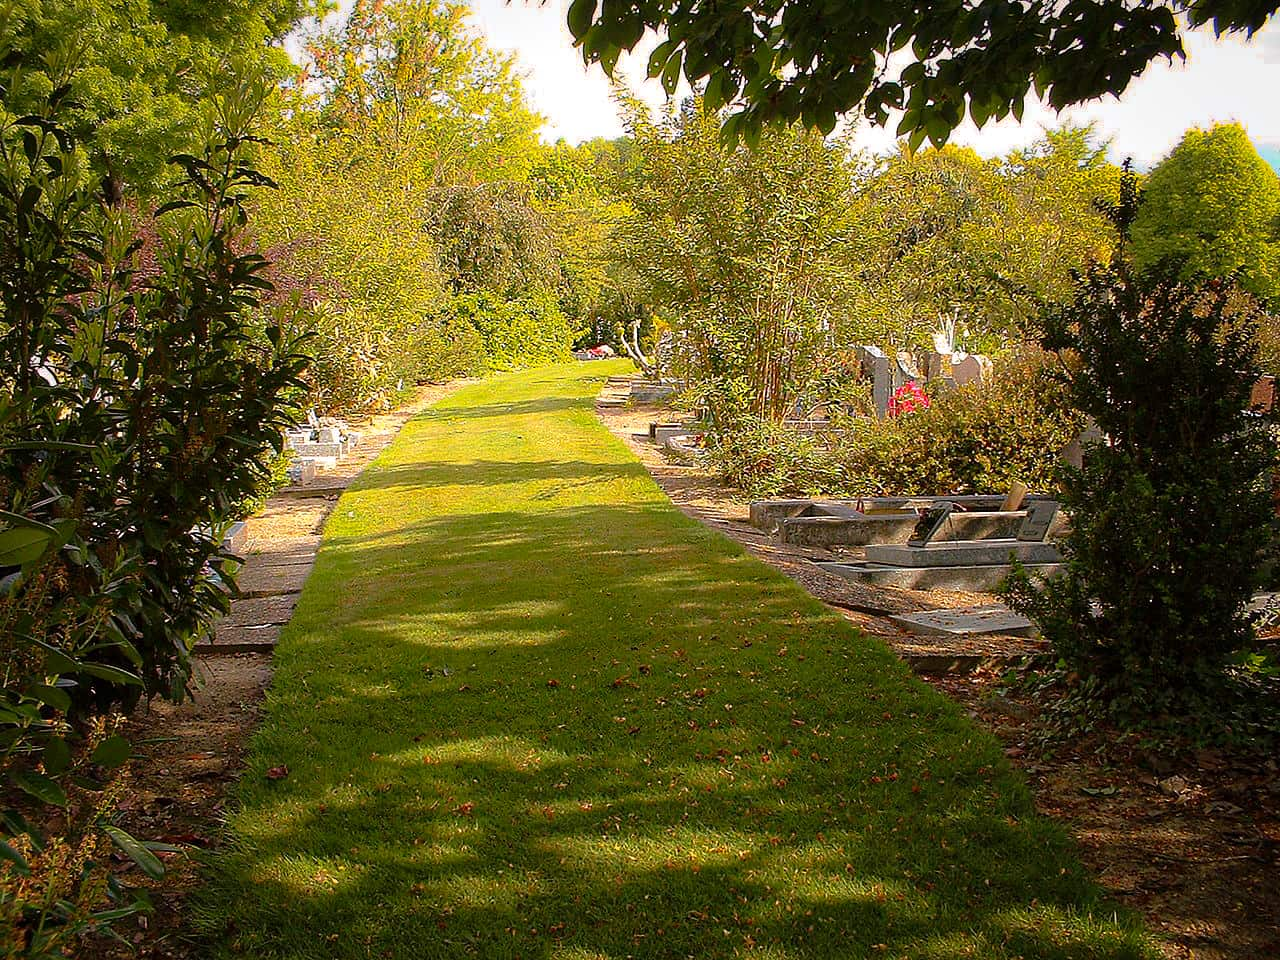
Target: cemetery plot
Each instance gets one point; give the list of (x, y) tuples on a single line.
[(882, 519), (926, 563)]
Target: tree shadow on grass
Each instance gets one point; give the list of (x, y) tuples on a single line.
[(535, 406), (603, 731), (485, 473)]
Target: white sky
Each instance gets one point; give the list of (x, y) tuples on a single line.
[(1229, 80), (1221, 81)]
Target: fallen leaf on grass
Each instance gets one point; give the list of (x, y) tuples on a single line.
[(1108, 791), (278, 773)]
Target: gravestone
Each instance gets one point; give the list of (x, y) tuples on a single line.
[(1040, 517), (961, 553), (966, 622), (968, 370), (937, 365), (931, 521), (1073, 453), (876, 365), (1262, 396)]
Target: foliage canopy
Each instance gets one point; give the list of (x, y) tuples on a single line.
[(1214, 203), (787, 60)]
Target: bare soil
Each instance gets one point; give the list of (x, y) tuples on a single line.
[(1192, 846)]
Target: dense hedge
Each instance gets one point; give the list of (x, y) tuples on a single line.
[(515, 333), (974, 439)]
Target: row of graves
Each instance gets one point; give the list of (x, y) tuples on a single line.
[(963, 543), (896, 381), (319, 443)]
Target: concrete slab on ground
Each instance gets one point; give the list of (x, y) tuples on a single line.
[(966, 622), (962, 553), (312, 491), (981, 578), (260, 579), (259, 611), (229, 638)]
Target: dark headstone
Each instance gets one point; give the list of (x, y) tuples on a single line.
[(1040, 515), (931, 521)]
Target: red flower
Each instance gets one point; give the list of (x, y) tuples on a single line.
[(907, 399)]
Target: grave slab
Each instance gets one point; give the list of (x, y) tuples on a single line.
[(982, 578), (966, 622), (664, 432), (240, 639), (962, 553)]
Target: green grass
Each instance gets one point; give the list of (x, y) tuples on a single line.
[(531, 710)]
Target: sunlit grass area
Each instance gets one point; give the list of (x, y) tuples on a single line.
[(529, 709)]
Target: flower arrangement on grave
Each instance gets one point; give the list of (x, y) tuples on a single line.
[(907, 399)]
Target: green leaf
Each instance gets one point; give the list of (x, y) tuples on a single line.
[(114, 674), (21, 545), (581, 13), (146, 860), (1100, 791), (671, 74), (56, 756), (938, 129), (112, 752), (18, 520), (658, 59), (39, 786), (7, 852), (713, 96), (49, 696)]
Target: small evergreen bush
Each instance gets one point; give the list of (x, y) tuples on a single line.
[(1171, 516), (142, 393)]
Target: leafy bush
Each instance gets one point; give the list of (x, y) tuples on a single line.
[(1171, 516), (141, 393), (1214, 204), (516, 333), (355, 256), (768, 459), (975, 439)]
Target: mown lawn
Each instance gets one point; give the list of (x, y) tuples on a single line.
[(528, 709)]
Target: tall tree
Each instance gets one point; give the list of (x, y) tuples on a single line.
[(1215, 203), (809, 60), (140, 71), (947, 233), (744, 250), (412, 78)]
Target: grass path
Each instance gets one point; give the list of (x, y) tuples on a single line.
[(528, 709)]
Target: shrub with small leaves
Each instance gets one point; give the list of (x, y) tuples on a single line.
[(979, 438), (1171, 515)]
